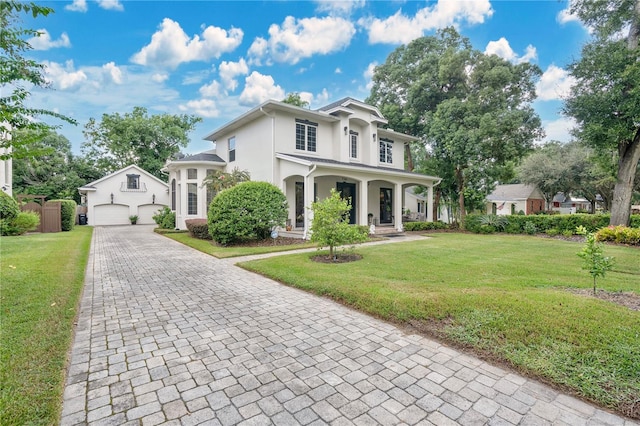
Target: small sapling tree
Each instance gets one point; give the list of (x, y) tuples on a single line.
[(595, 262), (330, 227)]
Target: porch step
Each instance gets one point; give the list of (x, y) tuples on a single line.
[(383, 231)]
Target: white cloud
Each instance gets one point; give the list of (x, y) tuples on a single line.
[(338, 70), (77, 6), (203, 107), (259, 88), (368, 74), (339, 7), (160, 77), (113, 72), (554, 84), (111, 5), (211, 90), (321, 98), (170, 45), (298, 39), (64, 77), (402, 29), (229, 70), (502, 49), (45, 42), (559, 130)]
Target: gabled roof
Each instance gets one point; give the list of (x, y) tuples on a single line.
[(344, 105), (131, 168), (513, 192)]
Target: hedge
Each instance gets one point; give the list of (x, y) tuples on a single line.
[(9, 208), (424, 226), (562, 223), (67, 214), (198, 228), (620, 235)]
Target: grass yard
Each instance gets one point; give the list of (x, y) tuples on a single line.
[(502, 297), (41, 282), (208, 247)]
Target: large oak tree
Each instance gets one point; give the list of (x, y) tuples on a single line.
[(606, 99), (471, 110), (136, 138)]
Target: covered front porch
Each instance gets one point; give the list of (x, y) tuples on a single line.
[(377, 195)]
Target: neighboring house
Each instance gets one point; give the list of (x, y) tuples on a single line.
[(568, 204), (130, 191), (306, 153), (6, 167), (515, 198)]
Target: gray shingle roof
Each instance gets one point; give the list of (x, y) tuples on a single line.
[(202, 156), (517, 191)]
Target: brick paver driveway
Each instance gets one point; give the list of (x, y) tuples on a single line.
[(168, 335)]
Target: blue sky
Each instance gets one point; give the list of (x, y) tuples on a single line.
[(217, 59)]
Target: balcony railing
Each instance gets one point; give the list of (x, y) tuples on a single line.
[(141, 188)]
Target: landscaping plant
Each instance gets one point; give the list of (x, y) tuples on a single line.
[(330, 227), (247, 211), (593, 255), (165, 218)]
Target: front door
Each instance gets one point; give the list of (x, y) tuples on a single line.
[(299, 204), (386, 205), (348, 191)]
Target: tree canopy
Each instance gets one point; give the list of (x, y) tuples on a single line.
[(295, 99), (136, 138), (17, 75), (606, 98), (472, 111)]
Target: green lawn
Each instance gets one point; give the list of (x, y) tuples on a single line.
[(41, 281), (208, 247), (500, 295)]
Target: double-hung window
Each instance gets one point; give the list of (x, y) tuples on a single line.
[(232, 149), (306, 135), (192, 198), (386, 151), (353, 144)]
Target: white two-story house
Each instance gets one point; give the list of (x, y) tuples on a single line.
[(306, 153)]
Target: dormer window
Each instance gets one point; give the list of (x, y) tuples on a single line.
[(133, 181), (306, 134), (353, 144), (386, 151)]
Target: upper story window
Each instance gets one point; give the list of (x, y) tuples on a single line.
[(353, 144), (133, 181), (232, 149), (306, 134), (192, 173), (386, 151)]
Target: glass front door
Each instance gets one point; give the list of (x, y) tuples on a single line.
[(348, 191), (386, 205)]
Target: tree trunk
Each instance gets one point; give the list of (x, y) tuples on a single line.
[(460, 181), (623, 191), (409, 156)]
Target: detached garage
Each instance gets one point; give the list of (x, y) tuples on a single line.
[(130, 191)]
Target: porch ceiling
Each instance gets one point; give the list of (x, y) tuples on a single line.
[(383, 173)]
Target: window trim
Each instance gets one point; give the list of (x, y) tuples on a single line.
[(353, 144), (195, 177), (232, 151), (308, 127), (133, 181), (192, 203), (388, 151)]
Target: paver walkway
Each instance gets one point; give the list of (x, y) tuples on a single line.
[(168, 335)]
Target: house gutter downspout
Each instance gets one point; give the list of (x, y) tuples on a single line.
[(307, 217), (273, 145)]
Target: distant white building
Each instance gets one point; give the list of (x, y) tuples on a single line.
[(515, 198), (306, 153)]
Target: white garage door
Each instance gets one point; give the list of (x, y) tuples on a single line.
[(110, 214), (146, 212)]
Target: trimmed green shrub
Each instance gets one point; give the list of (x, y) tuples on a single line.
[(9, 208), (620, 235), (21, 224), (67, 213), (198, 228), (247, 211), (424, 226), (551, 232), (561, 223), (529, 228), (165, 218), (634, 221)]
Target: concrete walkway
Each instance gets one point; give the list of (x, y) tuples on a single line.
[(168, 335)]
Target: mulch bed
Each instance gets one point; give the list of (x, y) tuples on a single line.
[(339, 258), (626, 298)]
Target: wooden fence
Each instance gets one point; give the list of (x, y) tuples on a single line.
[(50, 213)]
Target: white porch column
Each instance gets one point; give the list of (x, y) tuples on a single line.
[(363, 203), (308, 199), (430, 203), (397, 206)]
